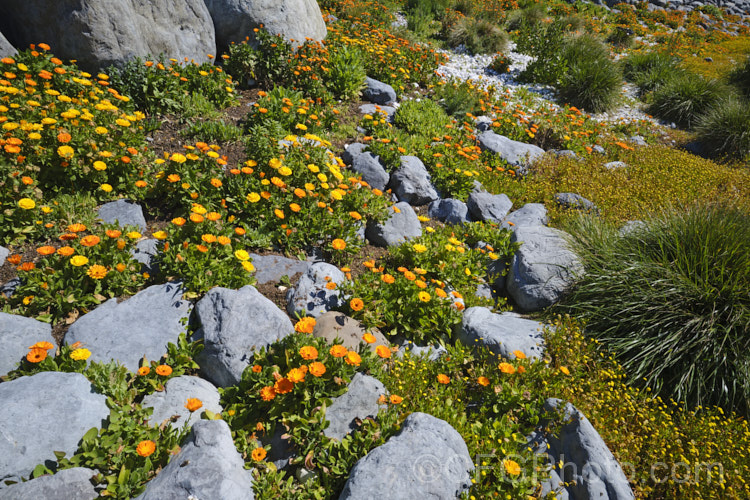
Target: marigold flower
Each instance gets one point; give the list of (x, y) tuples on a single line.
[(419, 248), (369, 338), (213, 216), (223, 240), (317, 369), (483, 381), (97, 272), (65, 152), (394, 399), (511, 467), (355, 215), (383, 351), (164, 370), (507, 368), (193, 404), (424, 296), (294, 207), (248, 266), (79, 260), (356, 304), (145, 448), (178, 221), (338, 244), (42, 345), (80, 354), (308, 352), (296, 375), (352, 358), (144, 370), (565, 370), (45, 250), (65, 251), (283, 385), (258, 454), (305, 325), (90, 240), (338, 351), (267, 393), (36, 355), (134, 235), (279, 213), (519, 354), (241, 255), (443, 379), (410, 275), (178, 158), (26, 203)]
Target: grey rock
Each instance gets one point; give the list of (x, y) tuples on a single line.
[(372, 109), (589, 470), (102, 32), (208, 466), (489, 207), (17, 333), (295, 20), (145, 252), (3, 255), (599, 149), (564, 153), (378, 92), (497, 271), (400, 227), (412, 183), (638, 140), (542, 269), (311, 297), (369, 167), (432, 353), (484, 291), (614, 165), (426, 459), (531, 214), (43, 413), (124, 213), (169, 404), (70, 484), (335, 325), (358, 402), (574, 201), (517, 154), (233, 323), (483, 123), (270, 268), (6, 49), (140, 326), (449, 210), (282, 447), (501, 333), (9, 287), (352, 149)]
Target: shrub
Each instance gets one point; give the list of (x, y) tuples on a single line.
[(671, 300), (545, 42), (725, 128), (213, 131), (478, 36), (740, 77), (458, 99), (347, 72), (683, 98), (621, 36), (500, 64), (592, 81), (527, 17), (240, 63), (423, 117)]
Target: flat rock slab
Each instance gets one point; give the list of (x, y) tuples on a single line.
[(378, 92), (501, 333), (44, 413), (402, 225), (311, 297), (18, 333), (589, 470), (426, 459), (412, 183), (449, 211), (358, 402), (169, 404), (233, 324), (140, 326), (542, 269), (124, 213), (337, 325), (68, 484), (271, 268), (145, 252), (486, 206), (517, 154), (207, 467)]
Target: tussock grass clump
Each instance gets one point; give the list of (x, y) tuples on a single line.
[(478, 36), (648, 70), (725, 128), (592, 81), (740, 77), (671, 300), (683, 98)]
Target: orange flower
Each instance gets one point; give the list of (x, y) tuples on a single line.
[(202, 248), (369, 338), (299, 193), (45, 250), (36, 355), (338, 351), (63, 137), (317, 369), (519, 354), (305, 325), (257, 368), (144, 370), (388, 278), (267, 393), (164, 370), (338, 244), (355, 215), (65, 251), (352, 358), (26, 266), (507, 368), (213, 216), (283, 385), (443, 379), (145, 448), (296, 375), (197, 218), (394, 399), (383, 351), (113, 233), (308, 352), (178, 221), (294, 207), (279, 213), (193, 404), (90, 240), (258, 454), (68, 236), (410, 275), (42, 345), (483, 381), (356, 304)]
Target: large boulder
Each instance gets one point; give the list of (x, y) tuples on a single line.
[(44, 413), (6, 49), (581, 465), (412, 183), (311, 296), (233, 323), (517, 154), (369, 167), (169, 404), (402, 225), (140, 326), (271, 268), (501, 333), (449, 210), (542, 269), (17, 333), (294, 20), (486, 206), (70, 484), (207, 466), (98, 33), (358, 402), (531, 214), (378, 92), (426, 459)]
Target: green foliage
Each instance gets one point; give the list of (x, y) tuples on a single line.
[(240, 63), (670, 300), (213, 131), (621, 37), (500, 64), (459, 98), (424, 117), (683, 98), (347, 72), (649, 70), (545, 42), (740, 77), (592, 81), (725, 128), (478, 36)]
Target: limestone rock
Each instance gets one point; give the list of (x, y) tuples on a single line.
[(358, 402), (337, 325), (372, 109), (6, 49), (531, 214), (145, 252), (517, 154), (311, 297), (270, 268), (401, 226), (488, 207), (369, 167), (412, 183), (17, 333), (378, 92), (449, 210), (124, 213), (574, 201), (70, 484), (3, 255), (170, 402), (501, 333), (233, 323)]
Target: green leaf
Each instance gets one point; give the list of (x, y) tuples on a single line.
[(122, 478), (59, 455)]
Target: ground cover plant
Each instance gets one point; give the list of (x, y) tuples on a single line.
[(272, 181)]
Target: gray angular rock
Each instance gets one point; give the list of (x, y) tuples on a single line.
[(432, 353), (369, 167), (517, 154), (372, 109), (378, 92), (17, 333), (613, 165), (543, 267), (564, 153), (358, 402), (631, 226), (531, 214), (483, 123), (311, 297), (208, 466), (3, 255), (501, 333), (352, 149), (9, 287), (68, 484), (270, 268), (140, 326), (6, 49), (233, 323), (401, 226), (426, 459), (294, 20), (124, 213), (44, 413), (337, 325), (488, 207), (102, 32), (638, 140), (449, 210), (412, 183), (573, 201), (589, 470), (169, 404), (145, 252)]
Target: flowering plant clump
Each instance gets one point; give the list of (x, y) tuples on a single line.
[(81, 269)]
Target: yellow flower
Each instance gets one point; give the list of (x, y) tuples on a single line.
[(79, 260), (178, 158), (248, 266), (100, 130), (419, 248), (512, 467), (133, 235), (122, 122), (160, 235), (193, 404), (97, 272), (253, 197), (241, 255), (338, 244), (26, 203), (565, 370), (285, 171), (100, 165), (65, 151), (424, 296), (106, 188), (80, 354)]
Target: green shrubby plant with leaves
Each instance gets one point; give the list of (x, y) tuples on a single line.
[(423, 117), (459, 99)]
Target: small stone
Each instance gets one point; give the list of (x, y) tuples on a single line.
[(124, 213), (360, 401), (311, 297), (401, 226), (378, 92)]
